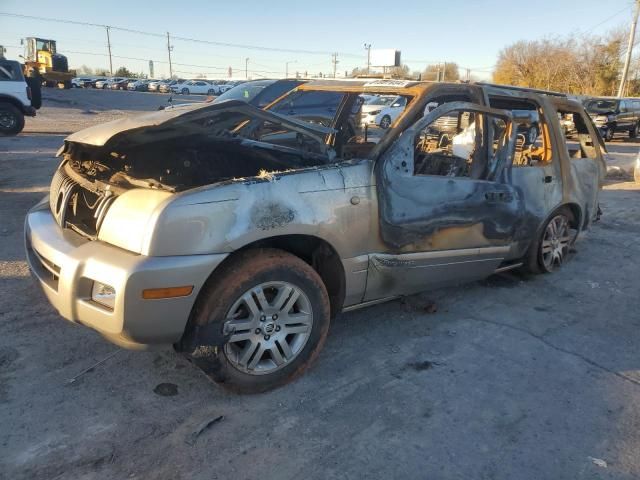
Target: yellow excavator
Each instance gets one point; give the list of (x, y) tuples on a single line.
[(42, 59)]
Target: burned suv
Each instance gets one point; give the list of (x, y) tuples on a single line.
[(236, 233)]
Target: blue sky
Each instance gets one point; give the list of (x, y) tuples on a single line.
[(470, 33)]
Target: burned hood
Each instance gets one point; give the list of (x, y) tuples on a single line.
[(162, 124)]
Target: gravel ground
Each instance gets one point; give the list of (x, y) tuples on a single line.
[(510, 378)]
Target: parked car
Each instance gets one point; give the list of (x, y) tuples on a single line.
[(388, 115), (120, 84), (15, 98), (373, 105), (106, 84), (155, 85), (166, 87), (235, 233), (80, 82), (259, 93), (140, 85), (197, 87), (612, 115), (92, 83)]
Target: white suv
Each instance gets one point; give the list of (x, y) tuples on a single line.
[(15, 98)]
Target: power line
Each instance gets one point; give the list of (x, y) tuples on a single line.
[(176, 37)]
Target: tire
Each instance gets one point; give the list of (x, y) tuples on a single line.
[(211, 91), (609, 135), (633, 133), (227, 341), (550, 250), (532, 135), (11, 119), (185, 91), (385, 122)]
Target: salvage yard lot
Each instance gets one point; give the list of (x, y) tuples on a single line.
[(511, 378)]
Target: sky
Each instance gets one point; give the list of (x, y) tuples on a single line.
[(470, 33)]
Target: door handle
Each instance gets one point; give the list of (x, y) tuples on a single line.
[(548, 179), (498, 196)]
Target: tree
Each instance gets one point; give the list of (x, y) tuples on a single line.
[(84, 70), (124, 72), (450, 70), (585, 65)]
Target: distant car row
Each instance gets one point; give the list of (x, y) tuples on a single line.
[(185, 87)]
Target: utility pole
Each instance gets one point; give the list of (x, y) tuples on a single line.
[(334, 60), (367, 47), (444, 72), (627, 60), (246, 68), (109, 47), (169, 48), (286, 68)]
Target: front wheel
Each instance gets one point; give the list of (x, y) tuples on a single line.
[(211, 91), (532, 135), (633, 133), (260, 322), (385, 122), (11, 120), (185, 91)]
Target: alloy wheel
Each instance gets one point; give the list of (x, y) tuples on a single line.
[(555, 243), (7, 121), (267, 327)]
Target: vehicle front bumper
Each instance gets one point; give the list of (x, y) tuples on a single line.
[(66, 265)]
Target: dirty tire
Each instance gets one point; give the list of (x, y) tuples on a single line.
[(633, 133), (11, 119), (534, 260), (385, 122), (210, 346)]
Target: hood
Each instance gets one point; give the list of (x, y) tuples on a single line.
[(154, 125)]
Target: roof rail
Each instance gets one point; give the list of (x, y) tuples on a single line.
[(522, 89)]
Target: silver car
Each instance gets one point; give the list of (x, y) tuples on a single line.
[(236, 234)]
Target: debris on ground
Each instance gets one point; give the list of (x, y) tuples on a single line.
[(87, 370), (430, 307), (618, 173), (191, 439), (599, 462)]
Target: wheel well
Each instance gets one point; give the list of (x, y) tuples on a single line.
[(316, 252), (13, 101), (576, 212)]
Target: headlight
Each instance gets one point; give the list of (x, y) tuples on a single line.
[(375, 112), (103, 294), (600, 119)]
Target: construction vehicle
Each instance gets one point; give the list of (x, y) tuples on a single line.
[(41, 56)]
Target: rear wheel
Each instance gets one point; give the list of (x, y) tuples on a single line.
[(549, 252), (260, 322), (211, 91), (532, 136), (11, 119)]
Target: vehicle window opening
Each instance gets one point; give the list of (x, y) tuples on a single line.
[(364, 127), (585, 145), (460, 144), (533, 143)]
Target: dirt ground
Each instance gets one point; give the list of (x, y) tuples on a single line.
[(510, 378)]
